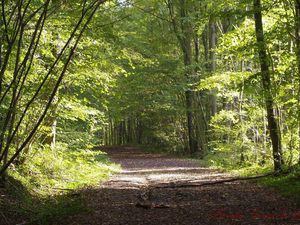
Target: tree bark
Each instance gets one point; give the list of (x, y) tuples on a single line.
[(186, 45), (183, 30), (297, 40), (267, 85), (212, 62)]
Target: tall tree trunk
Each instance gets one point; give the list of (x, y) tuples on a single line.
[(212, 62), (183, 30), (200, 120), (49, 137), (297, 40), (266, 82), (187, 51), (186, 44)]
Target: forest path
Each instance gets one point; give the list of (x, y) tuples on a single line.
[(155, 189)]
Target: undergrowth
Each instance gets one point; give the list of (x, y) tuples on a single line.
[(46, 186), (286, 183)]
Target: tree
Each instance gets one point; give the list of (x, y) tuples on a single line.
[(297, 40), (183, 29), (22, 25), (267, 90)]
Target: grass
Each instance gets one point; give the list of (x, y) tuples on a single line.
[(287, 183), (37, 209), (47, 186)]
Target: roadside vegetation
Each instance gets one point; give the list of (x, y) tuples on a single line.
[(47, 186)]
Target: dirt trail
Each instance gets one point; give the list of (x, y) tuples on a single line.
[(147, 193)]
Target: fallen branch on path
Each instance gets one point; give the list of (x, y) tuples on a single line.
[(145, 195), (188, 185), (151, 205)]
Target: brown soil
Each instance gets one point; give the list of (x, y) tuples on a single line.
[(153, 189)]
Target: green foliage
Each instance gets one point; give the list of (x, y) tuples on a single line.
[(222, 82), (127, 84), (40, 210), (46, 170), (45, 185)]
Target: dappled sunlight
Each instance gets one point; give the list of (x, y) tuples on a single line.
[(182, 176), (140, 169), (166, 189), (167, 170), (130, 102), (157, 177)]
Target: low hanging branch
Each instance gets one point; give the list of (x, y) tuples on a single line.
[(9, 128)]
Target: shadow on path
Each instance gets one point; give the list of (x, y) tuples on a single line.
[(146, 193)]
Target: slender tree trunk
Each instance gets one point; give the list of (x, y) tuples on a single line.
[(189, 114), (75, 36), (186, 45), (129, 132), (212, 62), (206, 46), (264, 152), (53, 128), (188, 59), (139, 132), (183, 30), (297, 40), (266, 82), (200, 119)]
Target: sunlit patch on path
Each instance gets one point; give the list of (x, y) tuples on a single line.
[(146, 170)]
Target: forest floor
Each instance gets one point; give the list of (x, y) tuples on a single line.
[(161, 189)]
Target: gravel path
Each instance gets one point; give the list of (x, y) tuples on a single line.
[(151, 191)]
